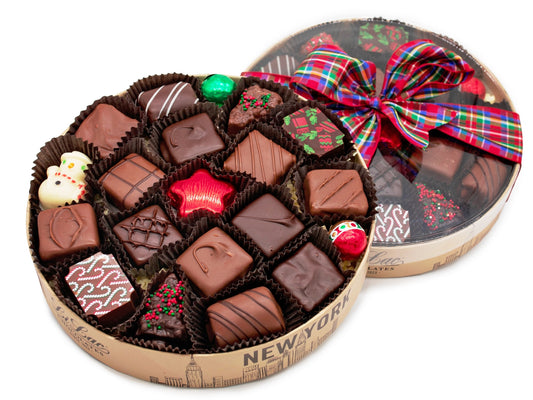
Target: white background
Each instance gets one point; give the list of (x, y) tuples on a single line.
[(463, 332)]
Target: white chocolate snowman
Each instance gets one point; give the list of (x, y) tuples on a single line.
[(64, 183)]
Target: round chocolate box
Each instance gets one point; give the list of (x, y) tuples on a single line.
[(170, 225), (435, 127)]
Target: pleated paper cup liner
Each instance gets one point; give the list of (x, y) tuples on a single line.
[(287, 95), (156, 130), (124, 105)]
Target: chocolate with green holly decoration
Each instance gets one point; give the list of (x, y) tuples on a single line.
[(163, 313), (315, 131)]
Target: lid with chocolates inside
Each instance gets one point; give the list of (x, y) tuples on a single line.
[(183, 216), (437, 131)]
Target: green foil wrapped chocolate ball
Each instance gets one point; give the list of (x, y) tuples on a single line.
[(217, 88)]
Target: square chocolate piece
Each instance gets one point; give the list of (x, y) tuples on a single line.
[(162, 316), (213, 261), (164, 100), (190, 138), (335, 191), (105, 127), (441, 160), (316, 133), (66, 230), (254, 105), (247, 315), (102, 289), (145, 233), (128, 180), (260, 157), (309, 275), (392, 224), (268, 223)]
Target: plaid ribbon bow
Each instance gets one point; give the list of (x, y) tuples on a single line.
[(417, 71)]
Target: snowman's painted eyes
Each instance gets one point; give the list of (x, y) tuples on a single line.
[(57, 182)]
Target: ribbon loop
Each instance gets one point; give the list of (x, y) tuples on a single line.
[(417, 71)]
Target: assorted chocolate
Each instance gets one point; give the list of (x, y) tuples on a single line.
[(189, 234), (431, 192)]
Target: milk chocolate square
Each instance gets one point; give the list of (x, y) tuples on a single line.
[(127, 181), (66, 230), (335, 191), (213, 261), (260, 157), (105, 127)]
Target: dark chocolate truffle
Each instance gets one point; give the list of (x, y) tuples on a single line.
[(127, 181), (251, 314), (145, 233), (190, 138), (254, 104), (102, 289), (160, 102), (335, 191), (66, 230), (315, 132), (104, 127), (213, 261), (163, 313), (259, 156), (268, 223), (309, 275)]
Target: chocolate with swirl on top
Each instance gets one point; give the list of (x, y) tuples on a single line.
[(213, 261), (247, 315)]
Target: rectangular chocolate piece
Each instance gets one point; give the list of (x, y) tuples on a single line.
[(190, 138), (66, 230), (102, 289), (316, 133), (260, 157), (213, 261), (127, 181), (309, 275), (145, 233), (247, 315), (268, 223), (162, 316), (441, 160), (335, 191), (164, 100)]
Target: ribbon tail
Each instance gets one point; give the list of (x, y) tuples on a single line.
[(496, 131)]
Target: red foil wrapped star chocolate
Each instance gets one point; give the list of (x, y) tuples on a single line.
[(201, 191)]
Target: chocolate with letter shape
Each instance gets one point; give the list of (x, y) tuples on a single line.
[(66, 230), (213, 261)]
